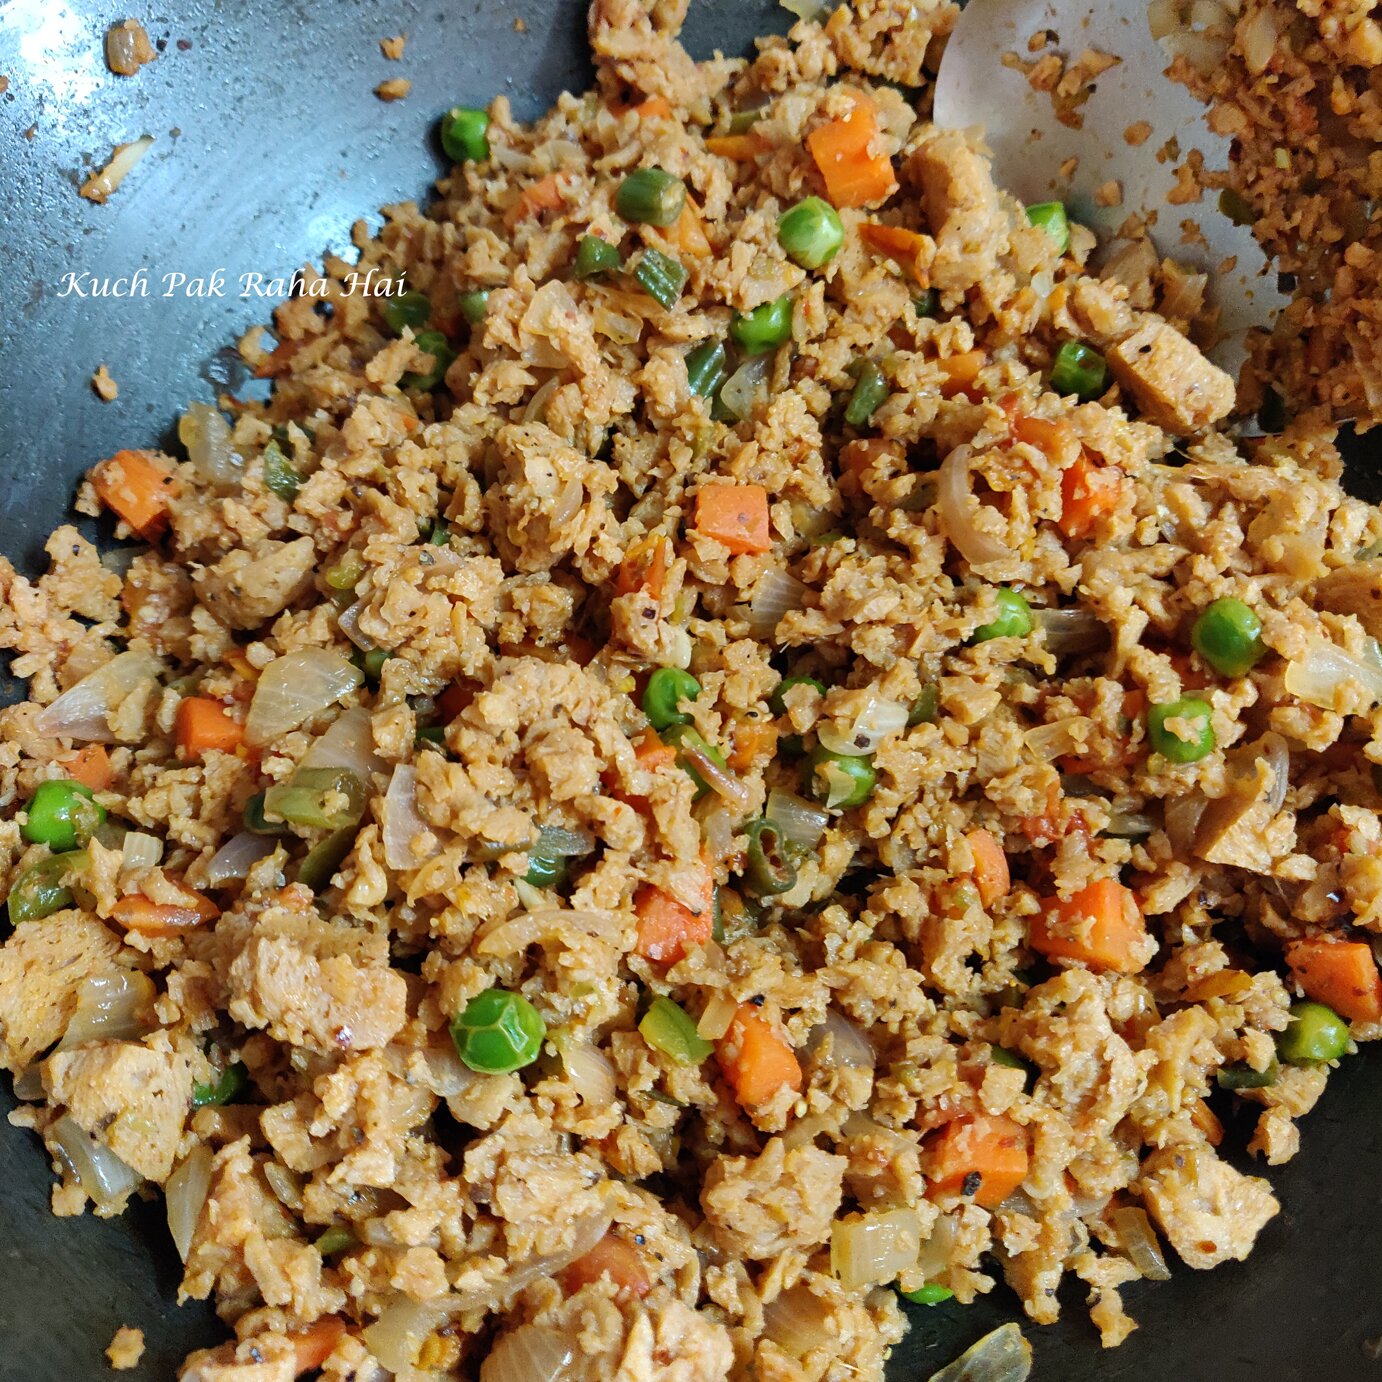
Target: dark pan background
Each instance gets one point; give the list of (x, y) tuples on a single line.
[(269, 144)]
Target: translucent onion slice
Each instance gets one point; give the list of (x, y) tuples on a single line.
[(408, 840), (83, 713), (236, 857), (801, 822), (96, 1168), (1003, 1356), (295, 687), (849, 1048), (590, 1073), (1324, 669), (743, 387), (777, 593), (347, 743), (870, 1249), (956, 503), (111, 1007), (139, 851), (206, 435), (1139, 1241), (126, 158), (186, 1193), (530, 1353), (796, 1322), (397, 1336), (1069, 631), (866, 731)]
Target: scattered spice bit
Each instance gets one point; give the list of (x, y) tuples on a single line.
[(126, 1348), (184, 45), (101, 185), (520, 26), (395, 89), (1191, 234), (1137, 134), (1169, 151), (1189, 187), (4, 83), (128, 48), (392, 48), (1067, 169), (32, 132), (1109, 193), (1070, 83), (107, 390)]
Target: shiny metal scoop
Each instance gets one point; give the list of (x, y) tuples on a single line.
[(1030, 144)]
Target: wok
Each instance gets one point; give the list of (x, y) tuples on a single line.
[(269, 143)]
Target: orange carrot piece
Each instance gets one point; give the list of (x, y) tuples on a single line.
[(1054, 438), (908, 248), (1088, 492), (614, 1258), (1100, 926), (993, 1148), (687, 233), (654, 108), (740, 148), (136, 487), (644, 567), (315, 1344), (544, 195), (651, 752), (667, 928), (854, 174), (756, 1058), (754, 741), (138, 913), (857, 456), (1341, 974), (454, 700), (202, 724), (91, 767), (736, 516), (960, 373), (991, 874)]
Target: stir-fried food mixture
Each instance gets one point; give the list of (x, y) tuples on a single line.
[(738, 747)]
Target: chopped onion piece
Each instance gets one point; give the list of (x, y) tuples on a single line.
[(295, 687), (869, 1249), (1003, 1356), (125, 159), (956, 503), (96, 1168), (235, 858), (447, 1074), (348, 743), (720, 780), (349, 622), (186, 1193), (795, 1321), (1069, 631), (849, 1047), (1139, 1241), (408, 839), (83, 713), (866, 731), (111, 1007), (1278, 758), (1318, 675), (776, 593), (1181, 816), (396, 1337), (586, 1234), (743, 386), (286, 1184), (716, 1017), (590, 1073), (933, 1261), (801, 822), (139, 851), (206, 435), (805, 9), (530, 1353)]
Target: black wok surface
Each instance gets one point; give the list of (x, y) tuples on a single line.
[(269, 144)]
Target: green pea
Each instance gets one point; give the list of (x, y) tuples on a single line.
[(930, 1294), (1314, 1035), (224, 1088), (1079, 370), (407, 309), (927, 303), (765, 328), (336, 1239), (436, 345), (777, 702), (474, 305), (839, 779), (1013, 620), (767, 869), (667, 688), (62, 815), (1228, 635), (1196, 713), (668, 1028), (498, 1032), (1051, 217), (465, 134), (811, 233)]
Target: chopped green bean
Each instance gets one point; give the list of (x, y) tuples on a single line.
[(42, 889), (925, 708), (318, 866), (870, 391), (595, 256), (1243, 1076), (231, 1081), (765, 328), (436, 345), (280, 474), (407, 309), (767, 869), (1051, 217), (930, 1294), (651, 196), (705, 368), (324, 798)]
